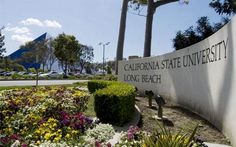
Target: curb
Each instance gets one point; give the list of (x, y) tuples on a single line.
[(133, 122)]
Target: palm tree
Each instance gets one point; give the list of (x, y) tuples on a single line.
[(151, 8), (121, 38)]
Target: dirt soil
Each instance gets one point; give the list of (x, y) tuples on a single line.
[(178, 118)]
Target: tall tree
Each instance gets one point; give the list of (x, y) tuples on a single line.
[(152, 5), (193, 35), (51, 58), (67, 50), (2, 43), (227, 7), (36, 49), (121, 38), (86, 56), (204, 28)]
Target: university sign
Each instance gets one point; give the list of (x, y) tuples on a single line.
[(201, 77), (211, 54)]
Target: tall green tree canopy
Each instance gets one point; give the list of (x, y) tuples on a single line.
[(67, 50), (38, 50), (227, 7), (86, 56), (193, 35)]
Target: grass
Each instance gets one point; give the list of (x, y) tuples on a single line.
[(90, 109), (12, 87)]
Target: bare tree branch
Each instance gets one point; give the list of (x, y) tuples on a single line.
[(163, 2), (136, 14)]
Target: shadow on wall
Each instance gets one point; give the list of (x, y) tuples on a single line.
[(226, 87), (200, 98), (189, 93)]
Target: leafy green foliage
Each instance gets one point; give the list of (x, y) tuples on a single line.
[(164, 138), (115, 103), (227, 7), (37, 52), (86, 56), (193, 35), (109, 70), (97, 84), (32, 70), (67, 50)]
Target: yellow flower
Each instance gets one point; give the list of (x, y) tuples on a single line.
[(54, 125), (47, 136), (38, 142), (75, 132), (37, 131), (67, 136), (56, 139), (59, 131)]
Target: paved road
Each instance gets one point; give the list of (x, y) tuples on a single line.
[(41, 82)]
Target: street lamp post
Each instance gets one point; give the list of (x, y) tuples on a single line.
[(103, 58)]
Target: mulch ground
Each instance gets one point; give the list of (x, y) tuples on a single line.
[(178, 118)]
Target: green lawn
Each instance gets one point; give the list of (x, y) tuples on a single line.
[(12, 87), (90, 110)]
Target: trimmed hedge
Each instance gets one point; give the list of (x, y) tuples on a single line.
[(115, 103), (98, 84)]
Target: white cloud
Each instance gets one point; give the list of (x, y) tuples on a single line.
[(21, 38), (18, 30), (32, 21), (45, 23), (52, 24)]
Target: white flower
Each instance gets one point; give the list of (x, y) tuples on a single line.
[(16, 144)]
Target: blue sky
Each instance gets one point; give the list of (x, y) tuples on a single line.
[(97, 21)]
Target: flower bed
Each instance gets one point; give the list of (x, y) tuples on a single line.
[(51, 116), (44, 116)]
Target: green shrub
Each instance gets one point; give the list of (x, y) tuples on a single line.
[(110, 77), (109, 70), (165, 138), (15, 76), (32, 70), (115, 103), (97, 84)]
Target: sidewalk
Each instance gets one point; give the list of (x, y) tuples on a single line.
[(216, 145)]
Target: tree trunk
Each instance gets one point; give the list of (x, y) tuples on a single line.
[(121, 38), (148, 33), (66, 66)]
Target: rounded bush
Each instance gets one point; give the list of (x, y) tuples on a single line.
[(115, 103)]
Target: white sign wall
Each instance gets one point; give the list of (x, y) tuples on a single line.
[(201, 77)]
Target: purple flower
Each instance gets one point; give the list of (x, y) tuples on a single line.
[(14, 137), (108, 144), (24, 145), (5, 140), (97, 144), (131, 132)]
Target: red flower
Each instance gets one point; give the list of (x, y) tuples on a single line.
[(24, 145), (14, 137), (4, 140), (108, 144), (97, 144)]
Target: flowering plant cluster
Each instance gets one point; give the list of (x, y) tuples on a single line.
[(133, 137), (46, 115), (99, 135)]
